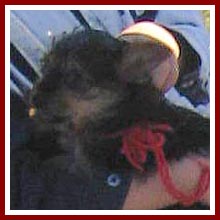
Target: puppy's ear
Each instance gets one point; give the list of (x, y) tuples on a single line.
[(145, 61)]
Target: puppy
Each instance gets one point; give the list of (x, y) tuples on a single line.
[(94, 87)]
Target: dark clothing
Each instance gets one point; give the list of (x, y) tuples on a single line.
[(51, 186)]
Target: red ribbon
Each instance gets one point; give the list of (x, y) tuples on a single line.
[(140, 139)]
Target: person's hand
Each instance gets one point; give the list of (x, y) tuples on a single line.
[(148, 193)]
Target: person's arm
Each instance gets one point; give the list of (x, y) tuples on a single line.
[(189, 24), (188, 28), (149, 193)]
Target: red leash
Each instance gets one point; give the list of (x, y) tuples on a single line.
[(138, 140)]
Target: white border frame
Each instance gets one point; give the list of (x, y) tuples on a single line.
[(7, 110)]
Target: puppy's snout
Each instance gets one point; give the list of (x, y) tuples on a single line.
[(95, 105)]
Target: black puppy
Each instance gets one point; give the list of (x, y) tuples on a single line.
[(95, 86)]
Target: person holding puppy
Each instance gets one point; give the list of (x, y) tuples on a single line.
[(81, 155)]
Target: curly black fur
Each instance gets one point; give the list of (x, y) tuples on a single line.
[(95, 85)]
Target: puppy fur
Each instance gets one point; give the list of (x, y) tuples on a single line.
[(94, 85)]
